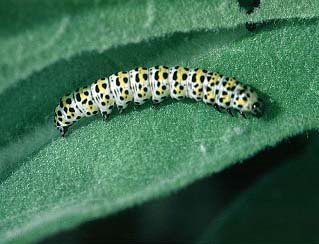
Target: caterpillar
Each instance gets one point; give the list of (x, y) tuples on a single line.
[(156, 83)]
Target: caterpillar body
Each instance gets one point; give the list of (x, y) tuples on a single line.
[(156, 83)]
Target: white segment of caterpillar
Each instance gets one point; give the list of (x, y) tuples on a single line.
[(156, 83)]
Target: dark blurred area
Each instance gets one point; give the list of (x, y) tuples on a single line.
[(183, 216), (249, 5)]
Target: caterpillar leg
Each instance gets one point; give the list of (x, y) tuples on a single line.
[(229, 111), (120, 109), (243, 114), (105, 115), (217, 108), (63, 130), (156, 102)]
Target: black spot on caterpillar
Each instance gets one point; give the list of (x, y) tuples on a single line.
[(156, 83)]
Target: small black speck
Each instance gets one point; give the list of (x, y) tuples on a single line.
[(117, 81), (137, 78), (78, 97), (156, 75), (175, 75), (184, 77), (194, 78), (68, 101)]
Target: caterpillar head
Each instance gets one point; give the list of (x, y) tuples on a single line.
[(257, 108), (255, 104), (246, 100)]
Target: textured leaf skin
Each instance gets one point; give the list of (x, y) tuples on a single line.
[(49, 184), (40, 33)]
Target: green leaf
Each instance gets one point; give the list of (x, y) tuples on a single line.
[(43, 32), (49, 184), (281, 208), (278, 9)]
